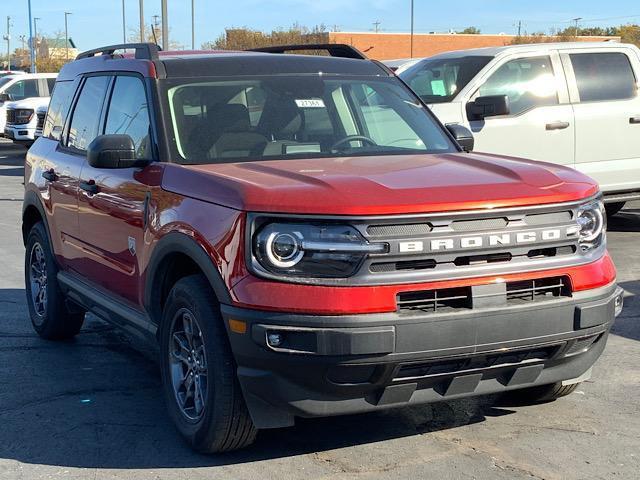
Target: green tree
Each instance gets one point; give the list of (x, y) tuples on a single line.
[(246, 38), (470, 31)]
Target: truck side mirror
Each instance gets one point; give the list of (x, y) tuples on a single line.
[(489, 106), (5, 97), (113, 151), (462, 135)]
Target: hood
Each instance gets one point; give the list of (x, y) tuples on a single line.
[(379, 185), (33, 102)]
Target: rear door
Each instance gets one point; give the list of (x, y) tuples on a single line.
[(540, 123), (603, 85)]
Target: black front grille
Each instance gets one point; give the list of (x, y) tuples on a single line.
[(11, 116), (479, 362), (457, 299), (41, 116)]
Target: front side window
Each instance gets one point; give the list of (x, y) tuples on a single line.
[(58, 110), (129, 114), (440, 80), (528, 82), (603, 76), (86, 115), (23, 89), (302, 116)]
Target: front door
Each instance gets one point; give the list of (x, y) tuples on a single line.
[(603, 84), (540, 123), (113, 203)]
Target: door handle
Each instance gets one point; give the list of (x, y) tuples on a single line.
[(557, 125), (50, 175), (634, 120), (90, 187)]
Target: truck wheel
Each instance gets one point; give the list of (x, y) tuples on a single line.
[(543, 393), (613, 208), (51, 317), (199, 379)]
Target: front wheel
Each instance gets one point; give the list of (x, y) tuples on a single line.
[(50, 315), (200, 385)]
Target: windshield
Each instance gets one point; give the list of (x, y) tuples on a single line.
[(440, 80), (305, 116), (4, 80)]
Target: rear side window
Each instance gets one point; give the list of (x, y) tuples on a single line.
[(603, 76), (23, 89), (129, 113), (86, 115), (528, 82), (58, 110), (50, 84)]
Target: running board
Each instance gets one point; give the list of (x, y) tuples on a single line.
[(106, 307), (621, 197)]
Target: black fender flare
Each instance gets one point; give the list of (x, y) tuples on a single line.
[(31, 199), (176, 242)]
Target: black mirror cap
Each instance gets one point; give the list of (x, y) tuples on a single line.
[(462, 135), (489, 106), (113, 151)]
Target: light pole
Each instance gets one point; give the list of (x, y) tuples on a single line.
[(411, 48), (142, 38), (124, 25), (577, 20), (66, 36), (33, 68), (35, 40), (7, 37), (193, 25), (165, 26)]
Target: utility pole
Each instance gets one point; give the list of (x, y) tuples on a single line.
[(165, 26), (66, 36), (142, 37), (124, 25), (576, 20), (33, 68), (411, 47), (193, 24), (376, 26), (519, 27), (154, 27), (7, 37), (35, 41)]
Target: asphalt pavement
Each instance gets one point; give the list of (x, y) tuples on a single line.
[(92, 408)]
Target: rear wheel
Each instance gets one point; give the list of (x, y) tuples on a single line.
[(50, 315), (198, 371), (613, 208)]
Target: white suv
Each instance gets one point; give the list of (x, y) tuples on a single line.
[(21, 86), (573, 104)]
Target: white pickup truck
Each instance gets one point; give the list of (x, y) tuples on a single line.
[(23, 119), (573, 104)]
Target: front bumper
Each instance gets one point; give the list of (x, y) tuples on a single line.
[(20, 133), (333, 365)]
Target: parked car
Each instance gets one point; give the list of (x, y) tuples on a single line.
[(300, 237), (573, 104), (398, 66), (26, 85), (23, 120)]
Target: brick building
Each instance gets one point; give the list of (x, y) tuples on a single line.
[(386, 46)]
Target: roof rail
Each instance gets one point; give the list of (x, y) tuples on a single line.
[(334, 49), (144, 51)]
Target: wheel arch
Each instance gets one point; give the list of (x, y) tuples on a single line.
[(32, 213), (175, 256)]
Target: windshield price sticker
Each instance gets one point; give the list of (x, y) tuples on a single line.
[(310, 103)]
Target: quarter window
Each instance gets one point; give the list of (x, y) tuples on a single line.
[(58, 109), (86, 115), (528, 82), (129, 113), (603, 76)]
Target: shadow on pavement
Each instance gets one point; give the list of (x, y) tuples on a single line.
[(96, 402), (627, 324), (627, 220)]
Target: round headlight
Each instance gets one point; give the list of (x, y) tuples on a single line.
[(592, 222), (284, 250)]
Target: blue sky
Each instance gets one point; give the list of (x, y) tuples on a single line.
[(99, 22)]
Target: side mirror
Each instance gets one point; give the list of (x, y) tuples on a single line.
[(5, 97), (489, 106), (462, 135), (113, 151)]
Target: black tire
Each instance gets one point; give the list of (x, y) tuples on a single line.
[(224, 423), (51, 319), (613, 208), (542, 393)]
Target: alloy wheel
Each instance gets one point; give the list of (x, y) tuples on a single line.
[(38, 280)]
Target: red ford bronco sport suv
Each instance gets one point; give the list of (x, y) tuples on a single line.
[(302, 238)]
